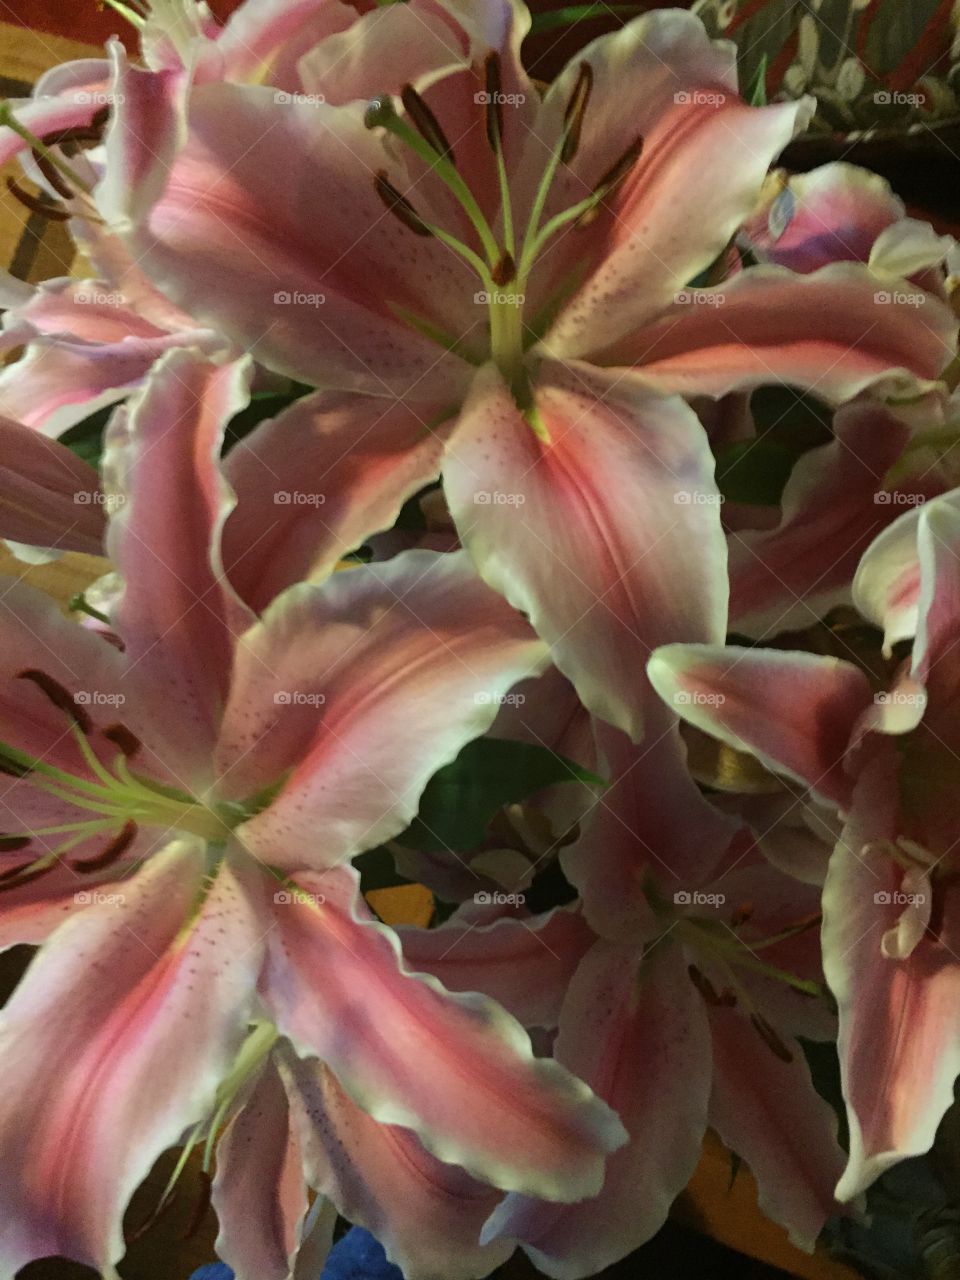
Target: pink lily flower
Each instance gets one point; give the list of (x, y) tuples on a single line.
[(678, 1002), (179, 823), (884, 759), (531, 275)]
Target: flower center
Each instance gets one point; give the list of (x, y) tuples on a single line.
[(118, 801), (505, 259)]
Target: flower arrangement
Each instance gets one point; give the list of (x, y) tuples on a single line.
[(527, 492)]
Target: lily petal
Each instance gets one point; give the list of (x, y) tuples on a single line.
[(338, 989), (604, 528), (415, 650), (769, 1112), (643, 1040), (177, 616), (833, 332), (427, 1215), (679, 840), (317, 301), (833, 505), (319, 479), (523, 964), (48, 496), (259, 1192), (899, 1042), (94, 1098), (795, 712)]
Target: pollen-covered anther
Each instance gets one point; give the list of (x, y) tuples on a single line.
[(61, 697), (770, 1037), (400, 206), (114, 851), (574, 114), (742, 914), (426, 123)]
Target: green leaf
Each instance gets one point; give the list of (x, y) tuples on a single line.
[(756, 93), (86, 438), (754, 472), (461, 798), (263, 406), (575, 13)]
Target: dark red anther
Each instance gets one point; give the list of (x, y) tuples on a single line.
[(575, 112), (703, 985), (124, 738), (400, 206), (202, 1205), (115, 850), (425, 122), (741, 915), (61, 698), (493, 114), (35, 204), (13, 844), (52, 175), (770, 1038)]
